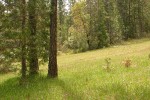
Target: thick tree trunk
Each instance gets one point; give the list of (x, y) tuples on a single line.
[(52, 67), (23, 40), (33, 59)]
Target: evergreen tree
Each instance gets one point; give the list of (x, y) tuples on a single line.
[(52, 67), (33, 57), (23, 40)]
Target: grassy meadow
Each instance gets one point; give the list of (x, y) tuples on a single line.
[(83, 76)]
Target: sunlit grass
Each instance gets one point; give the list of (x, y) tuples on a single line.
[(83, 77)]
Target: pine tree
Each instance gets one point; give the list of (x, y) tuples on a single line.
[(23, 40), (33, 57), (52, 67)]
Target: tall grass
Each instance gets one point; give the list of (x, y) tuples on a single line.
[(83, 77)]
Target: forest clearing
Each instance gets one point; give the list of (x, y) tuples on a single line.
[(83, 77), (74, 50)]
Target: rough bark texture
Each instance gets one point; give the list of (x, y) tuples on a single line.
[(23, 48), (52, 67), (33, 60)]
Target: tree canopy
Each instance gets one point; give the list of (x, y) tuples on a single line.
[(76, 26)]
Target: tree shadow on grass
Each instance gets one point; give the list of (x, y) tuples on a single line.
[(40, 88)]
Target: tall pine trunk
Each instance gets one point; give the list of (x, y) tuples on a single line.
[(52, 67), (33, 58), (23, 40)]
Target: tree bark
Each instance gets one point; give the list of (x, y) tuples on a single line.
[(33, 60), (23, 40), (52, 67)]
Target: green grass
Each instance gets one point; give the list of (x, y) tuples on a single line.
[(83, 77)]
